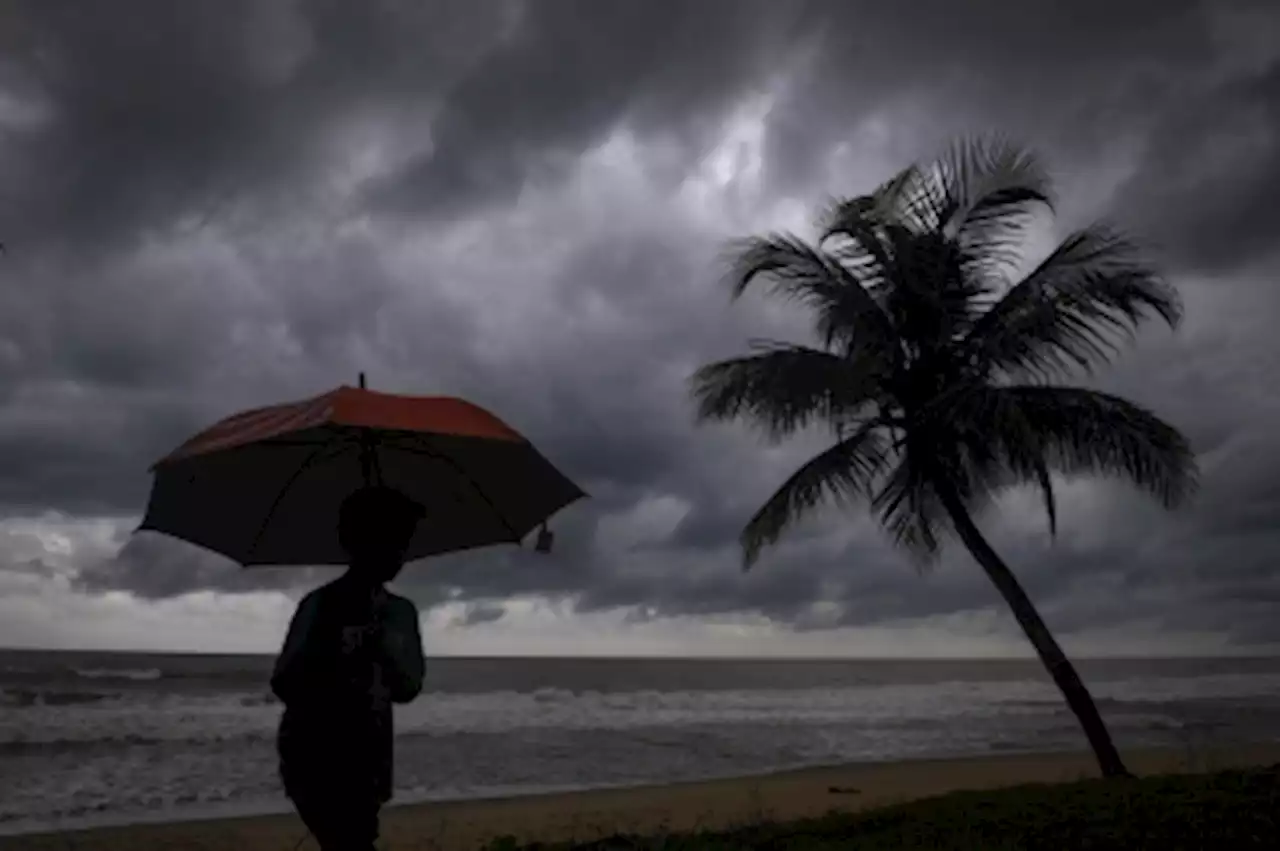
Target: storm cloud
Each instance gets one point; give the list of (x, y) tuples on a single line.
[(213, 205)]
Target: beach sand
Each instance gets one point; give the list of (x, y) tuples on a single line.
[(590, 815)]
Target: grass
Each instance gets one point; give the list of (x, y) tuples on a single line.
[(1223, 810)]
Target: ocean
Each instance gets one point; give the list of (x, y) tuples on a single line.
[(101, 738)]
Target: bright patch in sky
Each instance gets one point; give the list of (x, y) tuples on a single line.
[(650, 521)]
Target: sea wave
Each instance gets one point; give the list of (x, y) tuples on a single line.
[(41, 697), (135, 674), (52, 747), (126, 716)]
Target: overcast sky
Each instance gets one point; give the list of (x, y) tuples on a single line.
[(215, 204)]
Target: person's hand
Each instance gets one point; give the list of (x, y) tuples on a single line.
[(396, 634), (380, 611), (392, 642)]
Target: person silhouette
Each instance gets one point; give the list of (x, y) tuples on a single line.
[(352, 650)]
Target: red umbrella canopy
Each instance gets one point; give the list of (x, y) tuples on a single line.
[(263, 487)]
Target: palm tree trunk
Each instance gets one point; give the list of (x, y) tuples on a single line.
[(1051, 655)]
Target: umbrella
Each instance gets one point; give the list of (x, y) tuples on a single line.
[(263, 487)]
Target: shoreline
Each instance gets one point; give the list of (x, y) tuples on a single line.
[(594, 813), (263, 808)]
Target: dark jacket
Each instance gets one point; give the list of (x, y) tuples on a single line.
[(351, 652)]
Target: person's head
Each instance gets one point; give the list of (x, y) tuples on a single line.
[(375, 526)]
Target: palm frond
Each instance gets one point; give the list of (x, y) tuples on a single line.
[(850, 233), (910, 512), (846, 313), (990, 185), (1044, 481), (978, 197), (860, 223), (1070, 311), (932, 302), (990, 191), (1076, 430), (844, 472), (893, 201), (783, 387), (980, 191), (996, 451)]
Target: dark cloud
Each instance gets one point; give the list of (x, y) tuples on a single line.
[(151, 567), (1210, 171), (30, 567), (1042, 71), (569, 73), (232, 203), (152, 115), (478, 614)]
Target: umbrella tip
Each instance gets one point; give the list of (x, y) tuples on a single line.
[(545, 540), (362, 381)]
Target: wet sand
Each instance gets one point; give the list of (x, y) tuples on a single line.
[(650, 809)]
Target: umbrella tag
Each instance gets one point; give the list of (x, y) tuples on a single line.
[(545, 539)]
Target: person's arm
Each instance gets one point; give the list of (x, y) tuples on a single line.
[(295, 671), (402, 648)]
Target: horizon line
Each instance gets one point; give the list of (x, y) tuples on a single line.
[(468, 657)]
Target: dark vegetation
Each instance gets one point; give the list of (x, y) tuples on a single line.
[(1229, 809)]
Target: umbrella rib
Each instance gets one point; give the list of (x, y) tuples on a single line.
[(515, 537), (315, 456)]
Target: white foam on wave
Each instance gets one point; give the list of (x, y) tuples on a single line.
[(138, 719), (888, 705), (1217, 686)]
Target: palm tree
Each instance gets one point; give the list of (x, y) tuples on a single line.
[(936, 368)]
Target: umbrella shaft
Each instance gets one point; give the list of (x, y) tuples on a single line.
[(369, 460)]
